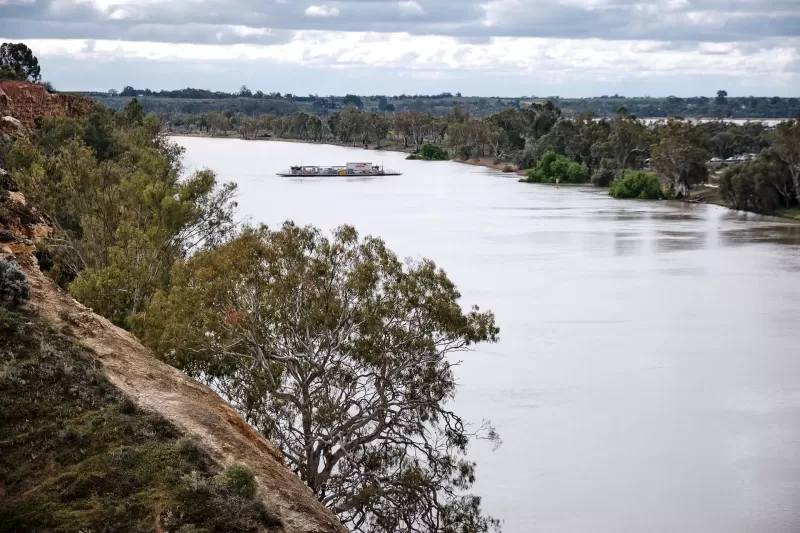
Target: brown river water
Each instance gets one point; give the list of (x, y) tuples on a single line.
[(648, 373)]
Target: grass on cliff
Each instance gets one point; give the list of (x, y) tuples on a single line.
[(75, 456)]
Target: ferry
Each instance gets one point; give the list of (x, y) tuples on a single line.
[(350, 169)]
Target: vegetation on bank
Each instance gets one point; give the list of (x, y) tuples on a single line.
[(77, 456), (555, 168), (255, 102), (763, 185), (679, 152), (430, 152), (636, 184)]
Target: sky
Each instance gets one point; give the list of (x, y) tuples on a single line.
[(569, 48)]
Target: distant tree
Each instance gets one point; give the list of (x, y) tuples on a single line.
[(259, 94), (113, 92), (762, 185), (379, 126), (679, 155), (128, 91), (244, 91), (352, 99), (133, 112), (414, 125), (786, 141), (314, 128), (390, 108), (723, 143), (17, 62), (350, 125), (540, 119), (512, 125), (722, 98), (382, 103)]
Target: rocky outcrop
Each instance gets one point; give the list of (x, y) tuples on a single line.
[(20, 225), (27, 102)]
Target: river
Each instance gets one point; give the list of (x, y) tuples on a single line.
[(648, 373)]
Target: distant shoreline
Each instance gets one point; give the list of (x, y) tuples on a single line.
[(701, 195), (487, 162)]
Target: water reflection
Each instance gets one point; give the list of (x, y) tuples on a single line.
[(784, 234), (672, 240), (627, 243)]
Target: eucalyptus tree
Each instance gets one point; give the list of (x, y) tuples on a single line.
[(124, 214), (679, 155), (786, 142), (18, 63), (343, 355)]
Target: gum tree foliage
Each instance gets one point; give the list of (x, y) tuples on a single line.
[(679, 155), (786, 139), (18, 63), (343, 356), (111, 184), (762, 185)]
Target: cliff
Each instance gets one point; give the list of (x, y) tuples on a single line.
[(97, 434), (28, 102)]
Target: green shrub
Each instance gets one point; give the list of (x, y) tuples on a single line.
[(430, 152), (636, 184), (239, 480), (554, 167)]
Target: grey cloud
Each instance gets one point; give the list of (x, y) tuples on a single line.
[(73, 74), (118, 30), (181, 21)]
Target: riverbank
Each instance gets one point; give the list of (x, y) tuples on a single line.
[(701, 195), (390, 146)]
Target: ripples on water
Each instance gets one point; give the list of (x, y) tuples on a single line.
[(648, 374)]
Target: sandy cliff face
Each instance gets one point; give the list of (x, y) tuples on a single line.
[(152, 385), (27, 102)]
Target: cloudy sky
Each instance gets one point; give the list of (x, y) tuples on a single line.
[(477, 47)]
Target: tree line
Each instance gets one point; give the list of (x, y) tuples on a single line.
[(720, 106), (676, 149)]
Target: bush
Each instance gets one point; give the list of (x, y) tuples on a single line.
[(636, 184), (14, 287), (239, 480), (431, 152), (554, 167)]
